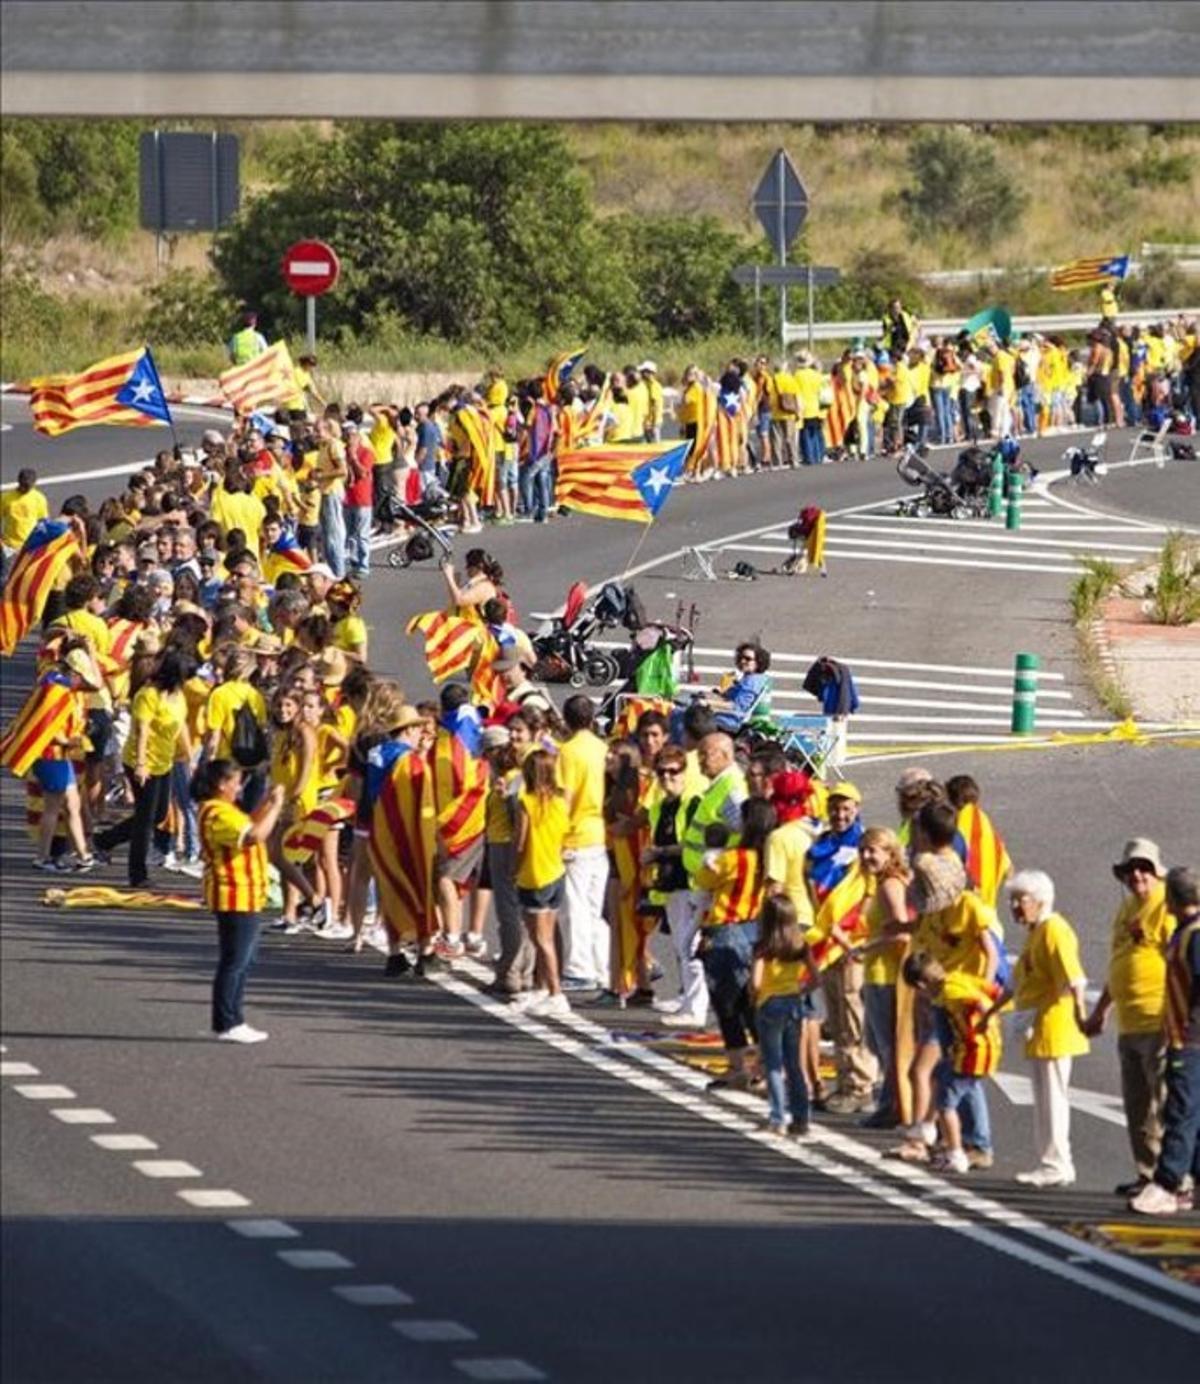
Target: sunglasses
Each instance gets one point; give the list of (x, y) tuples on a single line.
[(669, 773)]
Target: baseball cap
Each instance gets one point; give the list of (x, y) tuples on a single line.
[(845, 790), (649, 367)]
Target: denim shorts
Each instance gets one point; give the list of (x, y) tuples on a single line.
[(954, 1088), (545, 897), (507, 473), (55, 775)]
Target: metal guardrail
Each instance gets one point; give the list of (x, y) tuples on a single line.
[(1061, 322), (1184, 257)]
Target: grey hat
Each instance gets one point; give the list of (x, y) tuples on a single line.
[(1140, 848)]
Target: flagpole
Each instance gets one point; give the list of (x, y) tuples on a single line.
[(637, 547)]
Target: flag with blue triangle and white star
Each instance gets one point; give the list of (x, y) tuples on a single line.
[(143, 389)]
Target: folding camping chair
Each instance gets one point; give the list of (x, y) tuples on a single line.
[(814, 740)]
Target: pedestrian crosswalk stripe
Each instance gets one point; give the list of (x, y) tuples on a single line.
[(996, 537), (1057, 569)]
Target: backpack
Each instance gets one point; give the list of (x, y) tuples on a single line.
[(248, 742)]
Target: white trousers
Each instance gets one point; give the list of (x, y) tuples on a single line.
[(1052, 1113), (684, 909), (587, 939)]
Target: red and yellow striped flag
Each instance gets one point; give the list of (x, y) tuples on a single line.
[(460, 785), (402, 843), (451, 642), (842, 410), (51, 714), (988, 862), (267, 379), (558, 372), (478, 429), (35, 569), (62, 402), (303, 839), (487, 685), (843, 907)]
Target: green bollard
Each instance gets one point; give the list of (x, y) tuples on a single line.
[(1024, 706), (996, 491), (1012, 519)]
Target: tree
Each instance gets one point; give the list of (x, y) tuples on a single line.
[(84, 173), (959, 184)]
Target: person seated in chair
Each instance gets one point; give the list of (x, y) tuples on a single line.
[(746, 691)]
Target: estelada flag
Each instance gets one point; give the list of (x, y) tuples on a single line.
[(988, 863), (51, 544), (460, 786), (288, 555), (51, 714), (1089, 273), (621, 480), (402, 843), (843, 908), (478, 429), (451, 642), (267, 379), (123, 390), (558, 372)]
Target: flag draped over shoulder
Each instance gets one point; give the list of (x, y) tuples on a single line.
[(478, 429), (123, 390), (706, 424), (620, 481), (401, 846), (51, 544), (558, 372), (487, 686), (1089, 273), (842, 907), (591, 422), (451, 642), (988, 863), (730, 429), (460, 785), (267, 379), (842, 410), (291, 556), (303, 839), (632, 710), (51, 714)]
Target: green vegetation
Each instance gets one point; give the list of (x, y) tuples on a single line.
[(1098, 580), (1175, 596), (959, 183)]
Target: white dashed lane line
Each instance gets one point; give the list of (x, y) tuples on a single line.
[(498, 1369), (313, 1259), (372, 1295), (166, 1167), (18, 1069), (264, 1230), (212, 1198), (78, 1114), (47, 1092), (433, 1330), (124, 1143)]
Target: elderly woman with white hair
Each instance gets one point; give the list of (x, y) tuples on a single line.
[(1049, 981)]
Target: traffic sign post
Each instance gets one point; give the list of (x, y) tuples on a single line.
[(781, 205), (310, 268), (780, 275)]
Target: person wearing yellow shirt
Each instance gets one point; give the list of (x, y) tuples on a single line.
[(514, 968), (621, 420), (233, 692), (306, 389), (85, 605), (233, 507), (542, 833), (158, 736), (1049, 983), (20, 510), (1137, 989), (810, 383), (882, 860), (581, 765), (331, 475), (782, 1007), (654, 400), (785, 414)]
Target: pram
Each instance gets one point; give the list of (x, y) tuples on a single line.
[(425, 517), (562, 642), (961, 495)]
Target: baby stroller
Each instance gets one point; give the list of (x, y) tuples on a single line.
[(939, 497), (424, 517), (564, 653)]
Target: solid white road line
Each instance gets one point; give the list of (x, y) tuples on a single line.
[(498, 1368), (212, 1198), (123, 1143), (313, 1259), (780, 675), (1019, 1090), (265, 1229), (429, 1331), (18, 1069), (1017, 541), (40, 1092), (74, 1114), (372, 1295), (844, 555)]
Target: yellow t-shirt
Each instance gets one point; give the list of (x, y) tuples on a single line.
[(350, 635), (786, 848), (1137, 967), (780, 978), (1047, 969), (237, 510), (499, 816), (809, 382), (782, 382), (902, 385), (382, 438), (19, 513), (541, 861), (580, 766), (98, 633), (881, 966), (223, 705), (165, 713), (621, 429), (654, 402), (954, 935), (639, 406), (308, 492)]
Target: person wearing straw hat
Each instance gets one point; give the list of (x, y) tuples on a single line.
[(1137, 989)]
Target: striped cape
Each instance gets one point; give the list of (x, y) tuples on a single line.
[(49, 547), (460, 787), (267, 379), (842, 410), (844, 907), (591, 422), (706, 427), (478, 429), (303, 839), (51, 714), (401, 845), (62, 402), (632, 708), (1089, 273), (451, 641), (730, 431), (988, 863), (289, 555), (487, 685)]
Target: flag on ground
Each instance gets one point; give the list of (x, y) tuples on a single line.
[(1089, 273), (620, 481), (51, 544), (124, 390), (50, 714), (266, 379), (451, 642)]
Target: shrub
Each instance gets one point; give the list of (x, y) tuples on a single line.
[(1176, 596), (186, 308), (959, 184), (28, 312), (1160, 168), (1159, 283)]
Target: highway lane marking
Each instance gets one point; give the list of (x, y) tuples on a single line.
[(779, 675), (498, 1369), (909, 558), (921, 1206), (74, 1114), (372, 1295), (166, 1167), (210, 1198), (45, 1092), (264, 1229), (430, 1331), (1017, 542), (123, 1143), (313, 1259), (18, 1069)]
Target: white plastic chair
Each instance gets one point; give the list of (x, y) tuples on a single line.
[(1152, 446)]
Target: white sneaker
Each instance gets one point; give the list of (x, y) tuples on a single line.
[(242, 1033), (337, 932), (668, 1006), (1047, 1177), (1154, 1200), (552, 1007), (194, 869), (683, 1018), (528, 998)]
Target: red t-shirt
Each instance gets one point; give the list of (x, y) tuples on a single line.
[(360, 491)]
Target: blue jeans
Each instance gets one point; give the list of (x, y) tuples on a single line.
[(812, 442), (333, 534), (535, 488), (779, 1020), (1027, 405), (942, 413), (237, 939), (181, 779), (967, 1095), (879, 1006), (728, 956), (358, 539), (1181, 1120)]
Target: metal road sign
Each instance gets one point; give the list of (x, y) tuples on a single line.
[(772, 275), (781, 202), (310, 268)]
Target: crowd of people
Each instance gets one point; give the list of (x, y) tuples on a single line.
[(227, 723)]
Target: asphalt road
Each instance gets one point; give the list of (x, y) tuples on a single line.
[(509, 1199)]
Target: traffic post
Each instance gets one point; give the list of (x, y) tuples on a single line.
[(1012, 519), (996, 490), (310, 268), (1024, 704)]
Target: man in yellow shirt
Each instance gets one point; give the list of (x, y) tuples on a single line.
[(654, 400), (809, 383), (233, 507), (1137, 989), (785, 414), (20, 510), (581, 763)]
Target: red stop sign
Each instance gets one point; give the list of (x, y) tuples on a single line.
[(310, 268)]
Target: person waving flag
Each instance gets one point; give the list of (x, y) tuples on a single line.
[(621, 482), (124, 390)]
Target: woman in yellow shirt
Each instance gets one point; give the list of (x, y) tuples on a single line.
[(514, 970), (158, 736), (294, 769), (882, 859), (541, 830), (780, 979), (349, 629)]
